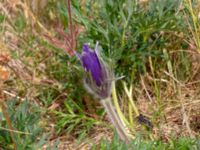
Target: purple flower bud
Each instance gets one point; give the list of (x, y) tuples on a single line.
[(98, 76)]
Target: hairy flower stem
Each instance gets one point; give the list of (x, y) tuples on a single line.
[(115, 119)]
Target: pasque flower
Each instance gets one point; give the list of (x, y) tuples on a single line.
[(98, 81), (98, 76)]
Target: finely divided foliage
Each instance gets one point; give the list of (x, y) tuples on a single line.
[(153, 44)]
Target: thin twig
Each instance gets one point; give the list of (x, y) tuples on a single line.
[(145, 89), (13, 95), (70, 23), (15, 131)]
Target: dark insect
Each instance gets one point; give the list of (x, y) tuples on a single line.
[(144, 120)]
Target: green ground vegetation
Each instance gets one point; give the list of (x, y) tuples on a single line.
[(152, 45)]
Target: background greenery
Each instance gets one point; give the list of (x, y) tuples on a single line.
[(154, 44)]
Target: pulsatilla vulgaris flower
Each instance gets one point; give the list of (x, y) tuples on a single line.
[(98, 76), (98, 81)]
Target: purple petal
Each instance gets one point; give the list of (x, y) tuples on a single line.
[(91, 63), (86, 48)]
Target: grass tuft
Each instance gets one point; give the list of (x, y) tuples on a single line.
[(154, 45)]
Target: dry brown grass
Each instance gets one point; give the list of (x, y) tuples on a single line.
[(179, 108)]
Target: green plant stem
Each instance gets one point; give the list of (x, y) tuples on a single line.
[(130, 114), (169, 67), (116, 104), (195, 23), (131, 99), (115, 119)]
